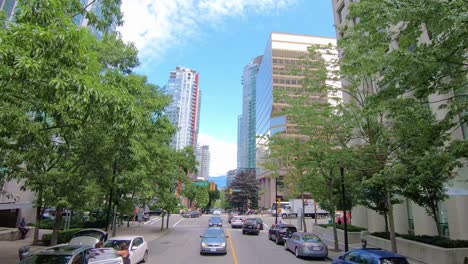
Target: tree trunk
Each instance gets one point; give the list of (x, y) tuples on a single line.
[(38, 216), (386, 222), (335, 233), (303, 214), (57, 222), (111, 194), (167, 219), (162, 220), (435, 216), (391, 223)]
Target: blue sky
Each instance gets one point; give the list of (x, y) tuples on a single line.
[(217, 38)]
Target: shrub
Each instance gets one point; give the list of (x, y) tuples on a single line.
[(64, 236), (431, 240), (351, 228)]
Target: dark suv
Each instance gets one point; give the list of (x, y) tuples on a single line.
[(250, 225), (280, 232)]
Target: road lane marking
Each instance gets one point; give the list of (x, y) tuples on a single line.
[(178, 222), (234, 256), (266, 225), (152, 221)]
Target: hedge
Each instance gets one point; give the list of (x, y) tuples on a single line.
[(351, 228), (63, 236), (431, 240)]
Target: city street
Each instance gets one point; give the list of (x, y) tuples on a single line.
[(182, 244)]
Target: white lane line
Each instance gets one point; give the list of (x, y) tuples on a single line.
[(178, 222), (152, 221), (266, 225), (157, 220)]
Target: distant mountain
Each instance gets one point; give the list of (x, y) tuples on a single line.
[(220, 181)]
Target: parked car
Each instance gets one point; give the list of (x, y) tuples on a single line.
[(236, 222), (250, 225), (213, 242), (88, 237), (306, 245), (215, 221), (370, 256), (279, 232), (137, 246), (195, 214), (71, 254)]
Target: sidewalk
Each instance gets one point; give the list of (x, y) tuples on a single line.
[(9, 249)]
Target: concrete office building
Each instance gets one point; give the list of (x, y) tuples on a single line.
[(409, 217), (246, 128), (283, 53), (184, 110), (231, 175), (203, 159)]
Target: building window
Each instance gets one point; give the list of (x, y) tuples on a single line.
[(443, 219)]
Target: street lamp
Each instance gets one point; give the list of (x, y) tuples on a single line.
[(344, 209)]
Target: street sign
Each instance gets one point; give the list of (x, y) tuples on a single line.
[(200, 183)]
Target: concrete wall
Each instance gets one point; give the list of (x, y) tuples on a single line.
[(423, 224), (22, 200), (457, 208), (401, 218), (359, 216)]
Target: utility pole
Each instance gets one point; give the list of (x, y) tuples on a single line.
[(344, 209), (276, 200)]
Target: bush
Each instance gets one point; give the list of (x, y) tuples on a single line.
[(46, 224), (64, 236), (431, 240), (351, 228)]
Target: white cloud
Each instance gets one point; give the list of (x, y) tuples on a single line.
[(223, 154), (157, 25)]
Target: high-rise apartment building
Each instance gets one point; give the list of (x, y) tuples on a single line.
[(408, 216), (283, 53), (246, 127), (184, 110), (231, 175), (203, 159)]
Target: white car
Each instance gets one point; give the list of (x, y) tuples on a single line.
[(136, 245), (236, 221), (216, 212)]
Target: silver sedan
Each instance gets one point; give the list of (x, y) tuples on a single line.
[(306, 245)]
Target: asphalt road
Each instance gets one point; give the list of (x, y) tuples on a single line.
[(182, 245)]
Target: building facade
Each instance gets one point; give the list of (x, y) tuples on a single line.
[(230, 176), (409, 217), (246, 127), (283, 53), (203, 159), (184, 110)]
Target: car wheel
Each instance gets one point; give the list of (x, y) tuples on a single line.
[(296, 252), (277, 241), (145, 257), (284, 216)]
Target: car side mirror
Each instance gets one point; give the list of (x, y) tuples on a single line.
[(134, 248), (226, 236), (201, 236)]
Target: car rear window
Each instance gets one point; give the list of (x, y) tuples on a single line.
[(291, 229), (393, 261), (250, 222)]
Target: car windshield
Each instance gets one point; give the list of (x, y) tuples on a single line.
[(210, 233), (291, 229), (237, 218), (116, 243), (393, 261), (311, 238), (215, 220), (48, 259)]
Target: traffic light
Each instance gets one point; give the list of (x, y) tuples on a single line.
[(211, 186), (278, 200), (230, 190)]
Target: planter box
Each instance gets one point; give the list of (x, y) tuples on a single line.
[(327, 233), (421, 252)]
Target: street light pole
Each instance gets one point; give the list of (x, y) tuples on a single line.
[(344, 209), (276, 200)]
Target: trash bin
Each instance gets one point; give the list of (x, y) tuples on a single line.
[(23, 252)]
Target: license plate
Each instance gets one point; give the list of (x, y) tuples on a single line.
[(250, 226), (315, 248), (212, 249)]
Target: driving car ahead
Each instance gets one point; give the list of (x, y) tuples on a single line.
[(370, 256), (213, 242), (236, 221), (195, 214), (71, 254), (306, 245), (136, 244), (250, 225), (279, 232), (215, 221)]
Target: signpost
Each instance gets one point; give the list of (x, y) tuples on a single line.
[(201, 183)]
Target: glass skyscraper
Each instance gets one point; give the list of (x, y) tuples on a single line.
[(184, 110)]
